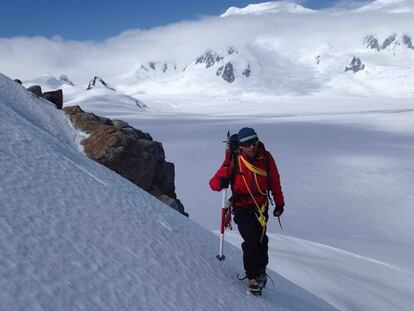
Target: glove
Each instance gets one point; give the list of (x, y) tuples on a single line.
[(279, 209), (234, 143), (224, 182), (227, 158)]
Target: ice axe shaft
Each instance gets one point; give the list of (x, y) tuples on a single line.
[(221, 256)]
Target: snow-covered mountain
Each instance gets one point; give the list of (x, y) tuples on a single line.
[(49, 81), (390, 6), (97, 95), (274, 48), (267, 8), (286, 57)]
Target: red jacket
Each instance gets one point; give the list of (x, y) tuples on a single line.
[(241, 195)]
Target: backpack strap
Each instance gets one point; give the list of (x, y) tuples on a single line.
[(235, 168), (267, 177)]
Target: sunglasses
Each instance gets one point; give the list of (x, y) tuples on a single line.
[(248, 144)]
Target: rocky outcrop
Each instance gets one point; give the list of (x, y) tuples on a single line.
[(35, 89), (128, 151), (55, 97), (355, 65)]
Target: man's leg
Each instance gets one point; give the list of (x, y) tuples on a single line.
[(264, 260), (250, 230)]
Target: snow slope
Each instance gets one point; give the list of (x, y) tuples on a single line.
[(75, 235)]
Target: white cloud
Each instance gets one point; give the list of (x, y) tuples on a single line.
[(27, 57)]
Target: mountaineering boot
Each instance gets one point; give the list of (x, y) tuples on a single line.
[(262, 279), (254, 287)]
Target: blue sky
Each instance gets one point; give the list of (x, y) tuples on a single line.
[(100, 19)]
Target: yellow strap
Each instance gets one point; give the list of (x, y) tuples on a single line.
[(258, 188), (254, 169)]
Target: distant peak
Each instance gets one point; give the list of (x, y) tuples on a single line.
[(98, 82), (391, 41), (389, 6), (66, 80), (267, 8)]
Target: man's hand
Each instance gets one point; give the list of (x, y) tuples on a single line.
[(279, 209), (224, 182), (234, 143)]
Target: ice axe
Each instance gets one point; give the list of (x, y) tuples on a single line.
[(225, 213)]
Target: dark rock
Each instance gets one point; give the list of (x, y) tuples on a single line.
[(140, 104), (355, 65), (98, 80), (105, 121), (35, 89), (388, 41), (120, 124), (136, 134), (228, 74), (18, 81), (55, 97), (164, 178), (408, 42), (371, 42), (219, 71), (209, 58), (231, 50), (246, 72), (65, 79)]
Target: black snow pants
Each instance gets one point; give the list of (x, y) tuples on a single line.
[(255, 252)]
